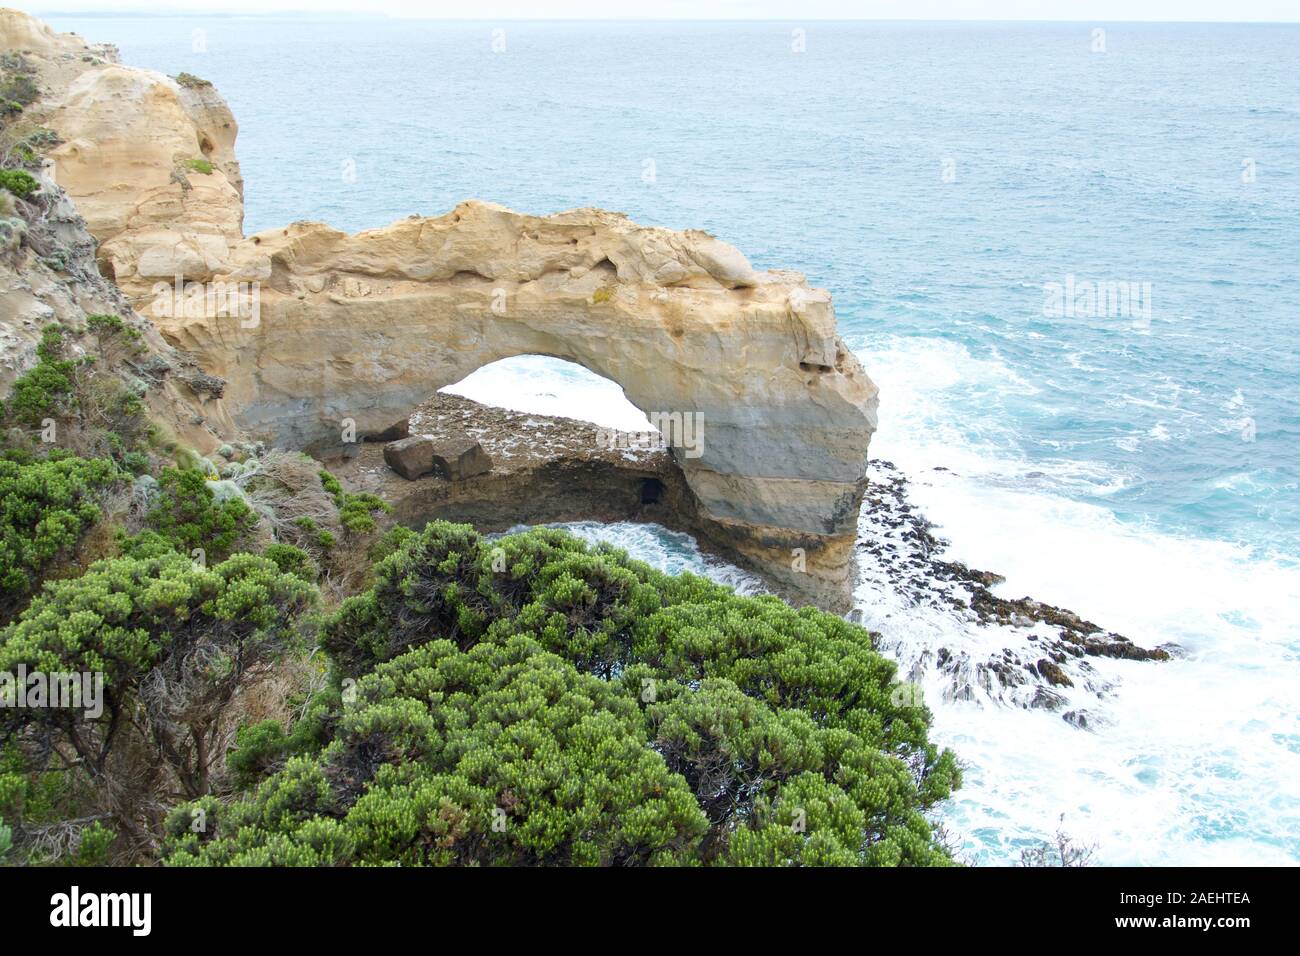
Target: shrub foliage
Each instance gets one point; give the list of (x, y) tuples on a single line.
[(532, 700), (174, 644), (45, 508)]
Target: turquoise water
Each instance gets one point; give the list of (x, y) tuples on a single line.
[(1141, 468)]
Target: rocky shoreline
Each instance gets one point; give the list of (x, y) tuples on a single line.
[(1046, 658)]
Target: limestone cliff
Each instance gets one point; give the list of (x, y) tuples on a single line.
[(48, 275), (314, 329), (47, 253), (149, 160)]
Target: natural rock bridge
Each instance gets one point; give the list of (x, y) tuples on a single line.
[(362, 328)]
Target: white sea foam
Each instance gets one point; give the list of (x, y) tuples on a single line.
[(670, 551), (1196, 760), (551, 386)]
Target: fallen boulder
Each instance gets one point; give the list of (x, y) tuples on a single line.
[(411, 457), (460, 458)]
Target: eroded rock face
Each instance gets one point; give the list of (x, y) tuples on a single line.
[(50, 277), (150, 165), (326, 332), (148, 161), (773, 412)]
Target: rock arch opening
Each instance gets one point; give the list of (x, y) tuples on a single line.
[(551, 386)]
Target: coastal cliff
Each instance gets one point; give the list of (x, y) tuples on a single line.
[(322, 338), (161, 375)]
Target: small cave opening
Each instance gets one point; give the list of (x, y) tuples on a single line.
[(652, 491)]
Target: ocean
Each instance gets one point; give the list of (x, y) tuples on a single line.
[(961, 189)]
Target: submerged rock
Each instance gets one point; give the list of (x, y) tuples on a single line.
[(1045, 652)]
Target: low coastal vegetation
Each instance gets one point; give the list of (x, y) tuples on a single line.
[(19, 182), (190, 81), (288, 678)]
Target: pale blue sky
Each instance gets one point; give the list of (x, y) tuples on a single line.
[(1092, 11)]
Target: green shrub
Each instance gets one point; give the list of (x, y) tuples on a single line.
[(112, 331), (525, 761), (136, 462), (93, 843), (175, 645), (199, 166), (531, 700), (45, 508), (192, 81), (19, 87), (258, 749), (356, 511), (391, 541), (291, 560), (19, 182), (317, 535), (46, 389), (30, 797), (188, 516)]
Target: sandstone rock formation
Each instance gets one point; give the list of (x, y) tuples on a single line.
[(358, 329), (148, 160), (327, 333), (459, 459), (51, 275), (410, 457)]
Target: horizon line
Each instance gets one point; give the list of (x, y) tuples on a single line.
[(367, 15)]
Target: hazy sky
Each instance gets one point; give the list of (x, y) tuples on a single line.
[(1086, 10)]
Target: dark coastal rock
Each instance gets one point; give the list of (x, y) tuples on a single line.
[(411, 458), (459, 459), (1077, 718), (1045, 699), (1046, 660), (1053, 674)]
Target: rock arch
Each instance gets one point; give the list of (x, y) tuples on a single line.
[(363, 327)]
